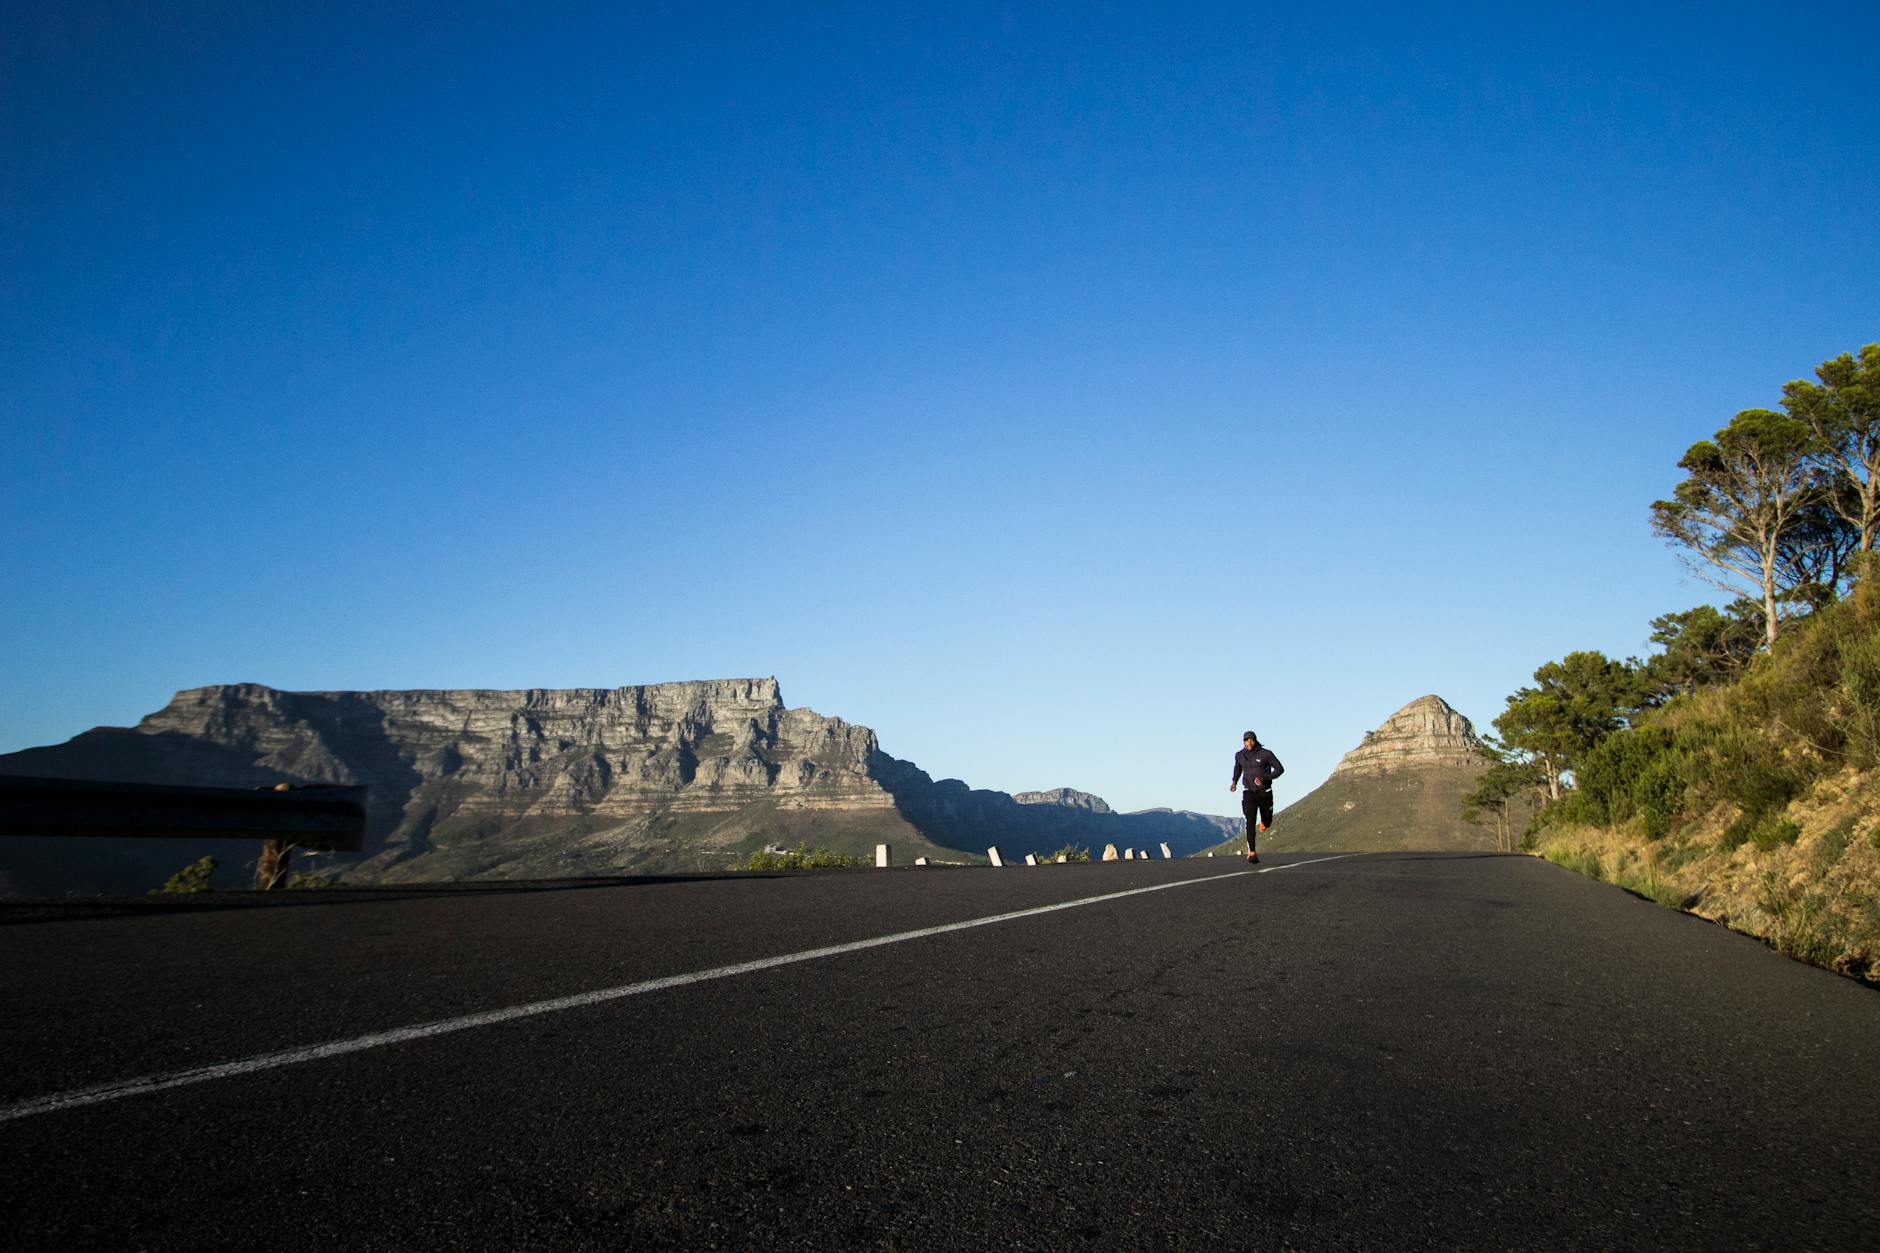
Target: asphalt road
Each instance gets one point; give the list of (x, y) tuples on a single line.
[(1389, 1051)]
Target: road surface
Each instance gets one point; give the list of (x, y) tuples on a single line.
[(1384, 1051)]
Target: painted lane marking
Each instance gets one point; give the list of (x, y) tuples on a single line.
[(358, 1044)]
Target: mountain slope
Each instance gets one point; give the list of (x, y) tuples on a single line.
[(1399, 789)]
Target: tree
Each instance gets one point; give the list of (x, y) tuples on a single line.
[(1574, 704), (1743, 498), (1699, 646), (1508, 778), (1843, 414), (1813, 558)]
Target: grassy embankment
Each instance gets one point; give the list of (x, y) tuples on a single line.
[(1753, 803)]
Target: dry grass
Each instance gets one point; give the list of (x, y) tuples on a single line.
[(1807, 882)]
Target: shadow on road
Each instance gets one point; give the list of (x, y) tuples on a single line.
[(14, 913)]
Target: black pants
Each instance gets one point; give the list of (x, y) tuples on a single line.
[(1256, 804)]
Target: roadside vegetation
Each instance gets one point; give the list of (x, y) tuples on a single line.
[(191, 878), (802, 858), (197, 876), (1733, 772)]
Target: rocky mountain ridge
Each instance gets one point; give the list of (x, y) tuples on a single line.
[(1399, 789), (1428, 732), (1065, 796), (551, 782)]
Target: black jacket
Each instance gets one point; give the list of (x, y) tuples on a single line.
[(1259, 766)]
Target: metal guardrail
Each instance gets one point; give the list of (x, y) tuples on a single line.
[(319, 816)]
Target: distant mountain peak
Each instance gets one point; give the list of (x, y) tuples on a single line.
[(1069, 796), (1426, 732)]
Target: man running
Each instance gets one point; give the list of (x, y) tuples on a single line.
[(1259, 768)]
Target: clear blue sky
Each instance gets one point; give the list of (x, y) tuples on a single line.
[(1057, 391)]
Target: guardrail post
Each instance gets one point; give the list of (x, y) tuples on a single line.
[(1031, 859), (884, 856), (993, 853), (1166, 855)]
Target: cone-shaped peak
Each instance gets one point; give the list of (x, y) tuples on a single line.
[(1426, 732)]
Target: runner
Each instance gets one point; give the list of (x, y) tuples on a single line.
[(1259, 767)]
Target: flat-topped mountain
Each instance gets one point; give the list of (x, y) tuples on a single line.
[(553, 782), (1400, 788)]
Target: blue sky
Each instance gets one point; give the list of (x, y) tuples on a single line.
[(1058, 391)]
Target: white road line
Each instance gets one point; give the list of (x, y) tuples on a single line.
[(358, 1044)]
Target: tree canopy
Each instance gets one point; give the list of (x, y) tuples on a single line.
[(1698, 647), (1574, 704), (1842, 412), (1744, 495)]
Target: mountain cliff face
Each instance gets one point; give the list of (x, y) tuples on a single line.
[(1400, 788), (546, 782), (1065, 796), (1425, 734)]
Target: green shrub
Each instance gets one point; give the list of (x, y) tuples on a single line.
[(801, 858), (1765, 831), (1739, 765), (1641, 771), (1858, 710), (191, 878), (1771, 832)]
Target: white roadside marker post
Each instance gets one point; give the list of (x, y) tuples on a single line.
[(921, 861), (1031, 859), (1062, 859), (1129, 854), (1109, 852), (1166, 855), (993, 853), (884, 856)]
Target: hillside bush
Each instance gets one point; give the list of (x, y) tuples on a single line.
[(1642, 773), (191, 878), (1739, 765), (802, 858)]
